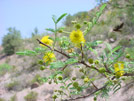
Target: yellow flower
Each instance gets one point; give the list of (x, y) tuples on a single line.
[(118, 68), (49, 57), (46, 41), (77, 37)]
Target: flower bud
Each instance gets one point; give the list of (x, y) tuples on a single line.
[(85, 22), (60, 91), (60, 31), (92, 66), (78, 26), (82, 77), (123, 78), (86, 80), (75, 84), (70, 50), (54, 96), (96, 62), (49, 82), (42, 67), (102, 70), (81, 70), (115, 81), (95, 98), (78, 88), (74, 78), (40, 62), (55, 90), (90, 61), (74, 22), (60, 77), (128, 56)]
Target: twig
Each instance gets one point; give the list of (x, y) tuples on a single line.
[(82, 54), (106, 68), (86, 95), (82, 62), (53, 49), (94, 85), (64, 68), (128, 74)]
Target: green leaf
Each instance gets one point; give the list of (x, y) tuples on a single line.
[(108, 46), (99, 42), (117, 87), (45, 79), (73, 93), (57, 64), (62, 87), (90, 24), (71, 61), (92, 50), (69, 84), (103, 7), (84, 87), (62, 16), (116, 48), (126, 69), (72, 88), (118, 55), (39, 49), (98, 14), (59, 72), (54, 18), (27, 53), (20, 53), (65, 79), (30, 52), (50, 29), (94, 20)]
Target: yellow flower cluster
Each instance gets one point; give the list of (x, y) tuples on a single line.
[(46, 41), (49, 57), (77, 37), (118, 68)]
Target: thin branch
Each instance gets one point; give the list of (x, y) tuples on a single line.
[(82, 54), (86, 95), (64, 68), (82, 62), (94, 85), (53, 49), (106, 68), (128, 74)]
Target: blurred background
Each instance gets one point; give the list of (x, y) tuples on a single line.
[(26, 15), (24, 21)]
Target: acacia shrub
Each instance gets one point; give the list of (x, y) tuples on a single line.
[(12, 41)]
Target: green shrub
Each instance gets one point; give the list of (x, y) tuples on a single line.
[(131, 52), (1, 99), (125, 42), (32, 96), (12, 41), (13, 98), (12, 85), (68, 20), (79, 16), (112, 35), (4, 68), (36, 79), (67, 72)]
